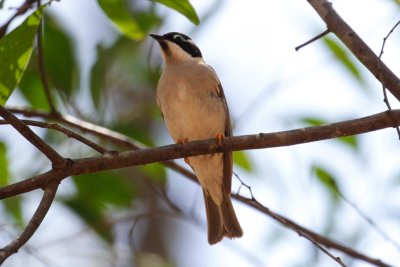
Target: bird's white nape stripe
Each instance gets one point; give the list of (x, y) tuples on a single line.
[(178, 36)]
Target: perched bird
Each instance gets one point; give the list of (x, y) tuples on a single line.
[(193, 104)]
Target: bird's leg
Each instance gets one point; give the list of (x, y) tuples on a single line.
[(219, 138), (182, 141)]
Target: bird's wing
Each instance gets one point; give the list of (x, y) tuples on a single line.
[(227, 158)]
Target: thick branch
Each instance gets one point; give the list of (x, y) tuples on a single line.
[(357, 46), (33, 225), (99, 131), (30, 136), (286, 138), (263, 140)]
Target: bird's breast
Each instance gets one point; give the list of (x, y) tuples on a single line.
[(190, 107)]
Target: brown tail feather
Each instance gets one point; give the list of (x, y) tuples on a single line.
[(221, 220), (231, 224)]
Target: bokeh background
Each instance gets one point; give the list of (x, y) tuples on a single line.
[(122, 218)]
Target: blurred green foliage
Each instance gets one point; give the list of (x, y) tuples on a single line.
[(182, 6), (327, 180), (346, 59), (118, 13), (119, 95), (15, 52), (349, 141), (12, 205)]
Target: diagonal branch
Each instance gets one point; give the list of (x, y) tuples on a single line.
[(99, 131), (61, 129), (20, 11), (357, 46), (34, 223), (33, 138), (308, 234)]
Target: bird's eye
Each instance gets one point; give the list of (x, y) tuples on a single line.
[(177, 36)]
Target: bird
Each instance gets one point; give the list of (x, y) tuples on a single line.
[(193, 105)]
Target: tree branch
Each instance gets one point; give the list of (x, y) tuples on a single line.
[(112, 161), (100, 132), (29, 135), (61, 129), (21, 10), (357, 46), (42, 68), (34, 223), (263, 140), (308, 234)]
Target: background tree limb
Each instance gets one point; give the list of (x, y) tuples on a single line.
[(357, 46)]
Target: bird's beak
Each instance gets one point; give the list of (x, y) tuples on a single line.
[(157, 37)]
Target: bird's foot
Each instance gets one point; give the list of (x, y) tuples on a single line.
[(182, 141), (219, 138)]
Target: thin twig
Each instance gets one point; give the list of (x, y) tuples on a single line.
[(371, 222), (356, 45), (30, 136), (67, 132), (319, 36), (302, 234), (20, 11), (385, 98), (308, 233), (34, 223), (42, 69), (101, 132)]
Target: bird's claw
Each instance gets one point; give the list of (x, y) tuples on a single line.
[(182, 141), (219, 138)]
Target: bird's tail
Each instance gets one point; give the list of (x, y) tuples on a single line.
[(221, 219)]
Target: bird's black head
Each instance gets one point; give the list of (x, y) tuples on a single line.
[(180, 39)]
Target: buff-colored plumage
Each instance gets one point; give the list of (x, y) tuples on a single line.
[(191, 99)]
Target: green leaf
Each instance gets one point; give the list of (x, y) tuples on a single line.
[(105, 188), (95, 193), (117, 12), (32, 89), (350, 141), (97, 75), (14, 208), (134, 130), (93, 215), (182, 6), (241, 159), (312, 121), (4, 174), (59, 57), (156, 172), (11, 205), (343, 56), (327, 180), (15, 52)]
